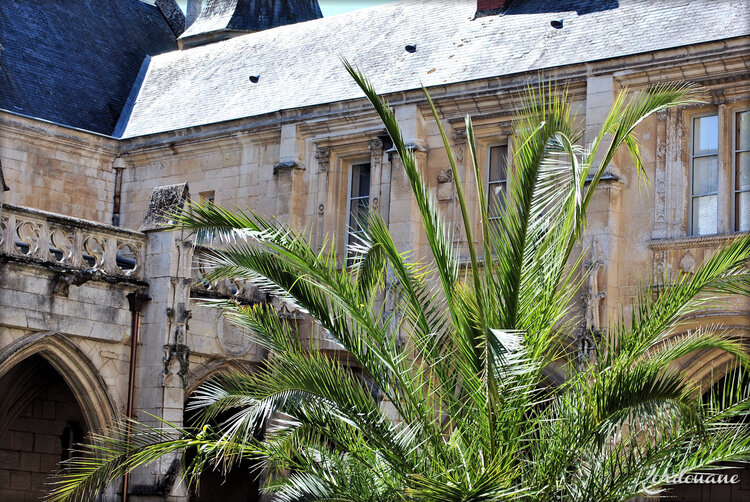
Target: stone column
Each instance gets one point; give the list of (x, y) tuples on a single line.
[(377, 202), (163, 356), (323, 156)]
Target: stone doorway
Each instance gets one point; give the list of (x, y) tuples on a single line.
[(40, 422)]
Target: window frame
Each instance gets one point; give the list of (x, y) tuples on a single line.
[(347, 229), (489, 182), (734, 165), (691, 168)]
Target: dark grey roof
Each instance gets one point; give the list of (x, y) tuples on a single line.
[(74, 61), (251, 15), (299, 66)]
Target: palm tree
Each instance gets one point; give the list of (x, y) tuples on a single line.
[(476, 416)]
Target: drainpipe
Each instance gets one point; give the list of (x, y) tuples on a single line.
[(135, 302), (118, 165)]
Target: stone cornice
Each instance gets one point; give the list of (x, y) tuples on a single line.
[(60, 137), (694, 241)]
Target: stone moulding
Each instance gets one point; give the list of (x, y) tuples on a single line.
[(64, 242), (694, 241)]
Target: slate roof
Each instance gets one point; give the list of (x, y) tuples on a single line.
[(74, 61), (251, 15), (298, 64)]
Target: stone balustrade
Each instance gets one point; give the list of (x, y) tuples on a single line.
[(63, 241)]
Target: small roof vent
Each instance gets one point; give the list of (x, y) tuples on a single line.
[(411, 48), (556, 24)]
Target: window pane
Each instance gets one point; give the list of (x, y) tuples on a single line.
[(705, 175), (743, 171), (742, 212), (743, 131), (498, 156), (496, 199), (358, 210), (360, 180), (705, 219), (705, 135)]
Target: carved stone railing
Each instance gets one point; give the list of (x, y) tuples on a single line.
[(71, 243), (683, 255)]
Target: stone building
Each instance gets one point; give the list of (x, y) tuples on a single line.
[(110, 111)]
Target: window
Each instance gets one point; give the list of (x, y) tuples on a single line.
[(358, 205), (497, 179), (716, 140), (704, 178), (741, 163), (205, 237)]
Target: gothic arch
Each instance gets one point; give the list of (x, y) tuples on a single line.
[(212, 369), (80, 375), (708, 367)]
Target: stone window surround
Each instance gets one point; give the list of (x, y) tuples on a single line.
[(673, 168), (727, 116), (334, 168), (486, 136)]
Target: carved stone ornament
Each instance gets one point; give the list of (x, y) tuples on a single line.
[(288, 165), (323, 156), (233, 340), (176, 362), (587, 341), (165, 201), (445, 176), (375, 145), (687, 263), (661, 149)]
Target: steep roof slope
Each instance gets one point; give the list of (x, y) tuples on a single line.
[(74, 62), (298, 64)]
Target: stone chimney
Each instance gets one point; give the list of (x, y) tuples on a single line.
[(491, 7), (222, 19)]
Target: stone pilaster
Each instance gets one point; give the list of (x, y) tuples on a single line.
[(163, 356)]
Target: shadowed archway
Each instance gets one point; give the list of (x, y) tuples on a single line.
[(241, 484), (51, 396)]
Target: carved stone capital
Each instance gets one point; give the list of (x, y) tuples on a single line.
[(323, 156), (375, 145)]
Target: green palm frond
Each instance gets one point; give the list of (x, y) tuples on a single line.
[(443, 394)]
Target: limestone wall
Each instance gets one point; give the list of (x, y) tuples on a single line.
[(57, 169)]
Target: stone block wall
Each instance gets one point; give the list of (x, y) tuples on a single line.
[(33, 445), (56, 169)]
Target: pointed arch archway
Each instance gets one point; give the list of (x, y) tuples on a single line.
[(240, 483), (79, 374)]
